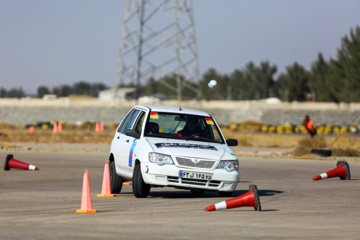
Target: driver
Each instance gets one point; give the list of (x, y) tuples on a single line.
[(191, 127)]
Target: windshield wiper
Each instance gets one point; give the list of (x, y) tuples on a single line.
[(177, 137), (163, 136), (156, 135), (201, 139)]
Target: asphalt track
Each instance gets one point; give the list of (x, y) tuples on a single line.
[(42, 204)]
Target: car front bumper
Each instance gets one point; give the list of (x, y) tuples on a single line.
[(168, 175)]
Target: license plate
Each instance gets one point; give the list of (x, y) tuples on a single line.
[(195, 175)]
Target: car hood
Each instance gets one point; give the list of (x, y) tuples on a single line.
[(193, 149)]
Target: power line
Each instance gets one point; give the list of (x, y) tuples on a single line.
[(158, 39)]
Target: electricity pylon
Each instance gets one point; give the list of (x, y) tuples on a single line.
[(158, 39)]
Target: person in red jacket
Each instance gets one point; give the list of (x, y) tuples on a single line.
[(309, 126)]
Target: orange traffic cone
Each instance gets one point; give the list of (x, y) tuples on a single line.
[(106, 185), (251, 198), (86, 206), (342, 171), (126, 183), (10, 162), (31, 129), (97, 127), (59, 127), (101, 127), (55, 128)]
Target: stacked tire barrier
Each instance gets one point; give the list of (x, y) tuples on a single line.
[(291, 128), (49, 125), (44, 125)]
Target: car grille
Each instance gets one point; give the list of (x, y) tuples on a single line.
[(197, 182), (187, 162)]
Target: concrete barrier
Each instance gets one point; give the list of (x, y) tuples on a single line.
[(29, 110)]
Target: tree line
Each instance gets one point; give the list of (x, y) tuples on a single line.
[(78, 88), (334, 80)]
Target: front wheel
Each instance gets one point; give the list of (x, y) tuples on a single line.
[(140, 188), (115, 180)]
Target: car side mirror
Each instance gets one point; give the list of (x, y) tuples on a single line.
[(232, 142), (132, 133)]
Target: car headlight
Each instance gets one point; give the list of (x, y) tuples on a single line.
[(229, 165), (160, 159)]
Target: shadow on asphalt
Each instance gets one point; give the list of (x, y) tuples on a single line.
[(182, 194), (268, 192), (189, 194), (262, 193)]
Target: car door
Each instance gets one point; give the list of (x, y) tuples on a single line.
[(125, 144)]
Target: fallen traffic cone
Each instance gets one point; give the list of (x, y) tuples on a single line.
[(342, 171), (126, 183), (10, 162), (251, 198), (86, 205), (106, 185), (55, 128)]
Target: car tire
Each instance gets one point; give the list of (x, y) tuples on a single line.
[(225, 194), (140, 188), (115, 180)]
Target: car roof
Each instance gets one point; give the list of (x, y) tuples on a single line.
[(156, 108)]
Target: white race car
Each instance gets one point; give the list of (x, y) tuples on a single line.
[(166, 146)]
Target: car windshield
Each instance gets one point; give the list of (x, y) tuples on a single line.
[(182, 126)]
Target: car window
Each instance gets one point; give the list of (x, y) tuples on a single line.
[(124, 122), (217, 136), (140, 121), (131, 121), (182, 126)]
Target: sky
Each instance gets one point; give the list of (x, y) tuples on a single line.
[(54, 42)]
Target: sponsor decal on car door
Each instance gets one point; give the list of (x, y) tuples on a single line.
[(132, 152)]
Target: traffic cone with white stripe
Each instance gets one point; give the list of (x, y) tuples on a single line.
[(10, 162), (249, 199), (342, 171), (106, 185)]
